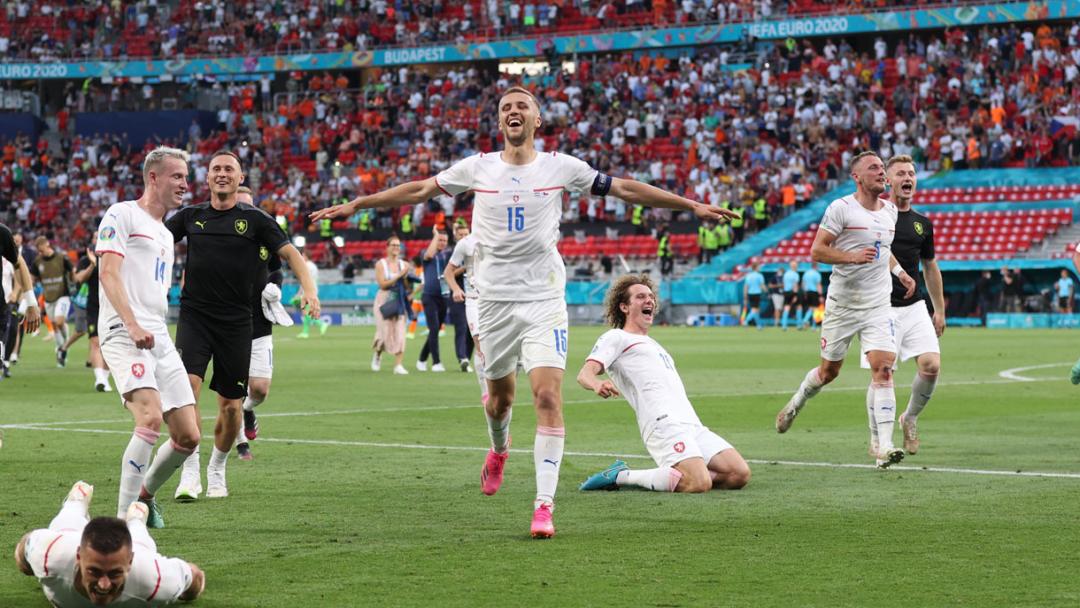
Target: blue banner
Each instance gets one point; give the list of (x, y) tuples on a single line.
[(1010, 12)]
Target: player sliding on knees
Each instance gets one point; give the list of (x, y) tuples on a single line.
[(521, 279), (689, 456), (856, 236)]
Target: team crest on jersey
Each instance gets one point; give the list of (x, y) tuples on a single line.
[(918, 228), (264, 253), (516, 198), (107, 233), (137, 370), (679, 447), (241, 226)]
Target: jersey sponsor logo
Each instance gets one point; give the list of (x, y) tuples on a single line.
[(241, 226), (138, 467), (200, 223), (264, 253), (918, 228), (137, 370), (516, 180), (679, 447), (107, 233)]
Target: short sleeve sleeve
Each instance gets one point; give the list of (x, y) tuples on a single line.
[(834, 219), (175, 579), (177, 224), (114, 231), (7, 245), (607, 349), (37, 548), (460, 251), (580, 175), (458, 177), (926, 252), (268, 232)]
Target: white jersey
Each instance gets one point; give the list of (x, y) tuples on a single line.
[(464, 256), (147, 248), (154, 580), (9, 278), (516, 221), (856, 228), (645, 374)]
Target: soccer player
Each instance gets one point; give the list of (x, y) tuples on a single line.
[(855, 236), (463, 261), (21, 284), (791, 293), (224, 239), (265, 302), (136, 253), (689, 457), (56, 274), (811, 284), (520, 275), (753, 289), (916, 331), (104, 561), (86, 314)]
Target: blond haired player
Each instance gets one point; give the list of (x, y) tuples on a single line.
[(520, 275)]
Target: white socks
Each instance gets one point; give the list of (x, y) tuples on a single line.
[(811, 385), (547, 457), (169, 458), (60, 336), (217, 459), (884, 402), (922, 388), (191, 476), (133, 467), (499, 431), (662, 479), (249, 404), (478, 365), (101, 376), (870, 412)]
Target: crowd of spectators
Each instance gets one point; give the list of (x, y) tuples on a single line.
[(769, 138), (110, 29)]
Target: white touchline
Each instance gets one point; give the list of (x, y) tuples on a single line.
[(1014, 373), (424, 408), (464, 448)]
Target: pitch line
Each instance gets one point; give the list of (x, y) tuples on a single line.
[(1014, 374), (464, 448), (425, 408)]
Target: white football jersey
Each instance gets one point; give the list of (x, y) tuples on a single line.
[(154, 580), (147, 248), (645, 374), (516, 221), (856, 228), (464, 256)]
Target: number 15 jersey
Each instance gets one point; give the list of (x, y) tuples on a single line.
[(147, 248), (516, 217)]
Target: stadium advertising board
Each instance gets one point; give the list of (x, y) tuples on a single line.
[(1011, 12)]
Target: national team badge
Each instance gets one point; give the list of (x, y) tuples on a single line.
[(824, 343), (241, 226), (107, 233), (680, 447), (137, 370), (264, 253), (918, 228)]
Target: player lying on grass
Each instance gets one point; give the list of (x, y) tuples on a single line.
[(106, 560), (689, 457)]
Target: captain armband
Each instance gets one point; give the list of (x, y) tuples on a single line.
[(601, 184)]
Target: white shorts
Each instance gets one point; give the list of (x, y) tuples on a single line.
[(874, 326), (472, 316), (532, 333), (670, 444), (58, 309), (159, 368), (915, 334), (262, 358)]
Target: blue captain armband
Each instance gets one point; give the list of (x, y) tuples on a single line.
[(601, 184)]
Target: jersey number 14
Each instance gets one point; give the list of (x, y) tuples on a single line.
[(159, 270)]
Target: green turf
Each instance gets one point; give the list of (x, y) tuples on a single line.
[(366, 521)]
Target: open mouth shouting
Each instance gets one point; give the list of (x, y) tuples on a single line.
[(515, 121), (647, 311), (906, 189)]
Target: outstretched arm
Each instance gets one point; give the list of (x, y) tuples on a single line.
[(410, 193), (640, 193), (588, 380)]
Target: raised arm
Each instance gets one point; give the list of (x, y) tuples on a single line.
[(640, 193), (936, 288), (113, 287), (309, 302), (588, 379), (410, 193), (81, 276)]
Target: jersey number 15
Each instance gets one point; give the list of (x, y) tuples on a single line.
[(515, 219)]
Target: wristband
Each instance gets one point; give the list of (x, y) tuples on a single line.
[(897, 270)]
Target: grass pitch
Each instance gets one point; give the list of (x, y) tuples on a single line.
[(364, 490)]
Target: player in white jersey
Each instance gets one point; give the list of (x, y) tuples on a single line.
[(104, 561), (855, 236), (136, 253), (520, 275), (917, 332), (463, 261), (689, 457)]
